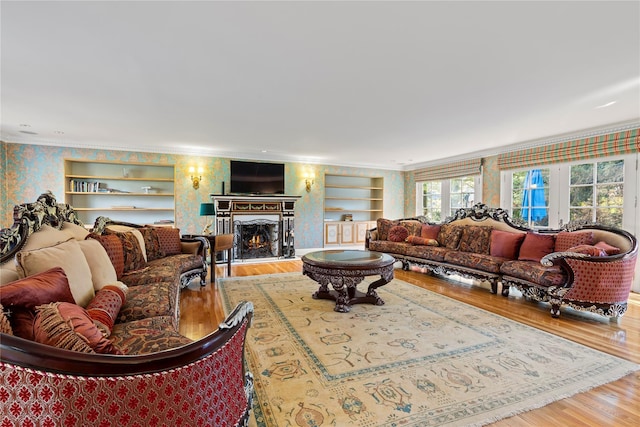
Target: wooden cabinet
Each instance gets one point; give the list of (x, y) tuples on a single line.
[(142, 193), (351, 233), (359, 198)]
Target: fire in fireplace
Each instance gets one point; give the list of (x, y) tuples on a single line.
[(257, 239)]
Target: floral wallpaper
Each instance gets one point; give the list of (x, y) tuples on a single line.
[(41, 168)]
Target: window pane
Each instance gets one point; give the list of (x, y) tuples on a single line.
[(609, 195), (581, 196), (582, 174), (432, 200), (609, 216), (580, 214), (530, 196), (612, 171)]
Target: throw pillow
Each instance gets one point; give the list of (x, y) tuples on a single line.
[(169, 240), (535, 246), (128, 229), (102, 270), (21, 297), (422, 241), (152, 243), (429, 231), (475, 239), (113, 246), (610, 250), (398, 233), (133, 256), (413, 226), (569, 239), (383, 226), (74, 230), (70, 258), (105, 306), (68, 326), (449, 236), (505, 244), (587, 250)]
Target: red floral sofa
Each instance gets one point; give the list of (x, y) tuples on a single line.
[(587, 267), (89, 327)]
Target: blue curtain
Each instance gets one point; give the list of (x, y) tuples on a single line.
[(533, 198)]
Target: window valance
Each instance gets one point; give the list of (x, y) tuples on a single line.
[(449, 170), (598, 146)]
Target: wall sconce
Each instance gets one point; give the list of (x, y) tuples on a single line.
[(195, 179), (309, 180)]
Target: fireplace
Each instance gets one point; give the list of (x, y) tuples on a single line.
[(257, 238), (262, 225)]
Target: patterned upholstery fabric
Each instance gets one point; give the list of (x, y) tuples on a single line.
[(163, 268), (151, 300), (601, 282), (197, 394), (473, 260), (5, 326), (148, 335), (534, 272), (389, 246), (384, 225), (152, 243), (398, 233), (169, 239), (413, 226), (113, 246), (475, 239), (569, 239), (417, 240), (433, 253), (449, 236), (133, 257)]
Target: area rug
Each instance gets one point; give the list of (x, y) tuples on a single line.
[(421, 359)]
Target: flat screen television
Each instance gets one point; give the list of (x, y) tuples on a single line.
[(256, 178)]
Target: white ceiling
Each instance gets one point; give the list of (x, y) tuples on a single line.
[(392, 85)]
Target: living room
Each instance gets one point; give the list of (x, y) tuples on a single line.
[(91, 83)]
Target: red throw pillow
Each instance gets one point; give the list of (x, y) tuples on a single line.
[(133, 256), (169, 239), (105, 306), (398, 233), (68, 326), (587, 250), (570, 239), (535, 246), (422, 241), (505, 244), (21, 297), (429, 231), (383, 226), (610, 250)]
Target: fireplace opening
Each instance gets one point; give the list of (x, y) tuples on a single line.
[(257, 239)]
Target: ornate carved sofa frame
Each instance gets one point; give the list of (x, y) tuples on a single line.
[(569, 273), (162, 379)]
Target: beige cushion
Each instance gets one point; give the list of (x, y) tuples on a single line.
[(74, 230), (136, 232), (46, 236), (102, 271), (70, 258)]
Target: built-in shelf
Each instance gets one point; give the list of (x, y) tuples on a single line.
[(142, 193), (352, 203)]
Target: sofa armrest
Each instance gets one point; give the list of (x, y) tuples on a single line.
[(195, 245), (202, 383)]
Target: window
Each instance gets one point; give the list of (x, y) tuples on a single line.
[(440, 199), (530, 197), (596, 192)]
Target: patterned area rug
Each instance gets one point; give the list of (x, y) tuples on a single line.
[(421, 359)]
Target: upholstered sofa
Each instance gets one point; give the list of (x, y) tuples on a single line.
[(92, 317), (587, 267)]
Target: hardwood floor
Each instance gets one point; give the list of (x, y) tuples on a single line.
[(613, 404)]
